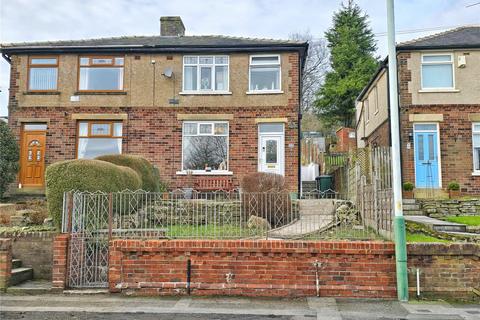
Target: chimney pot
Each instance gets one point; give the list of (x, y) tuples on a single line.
[(171, 26)]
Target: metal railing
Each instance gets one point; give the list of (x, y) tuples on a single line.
[(215, 215)]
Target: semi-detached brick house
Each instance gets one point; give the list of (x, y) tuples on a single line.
[(206, 105), (439, 94)]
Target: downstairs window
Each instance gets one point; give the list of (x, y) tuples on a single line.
[(476, 147), (98, 138), (205, 146)]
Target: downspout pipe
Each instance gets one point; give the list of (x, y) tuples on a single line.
[(399, 220)]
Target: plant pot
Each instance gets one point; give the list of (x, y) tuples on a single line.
[(408, 194), (453, 193)]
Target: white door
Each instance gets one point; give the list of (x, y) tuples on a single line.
[(271, 154)]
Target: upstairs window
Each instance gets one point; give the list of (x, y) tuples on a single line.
[(264, 73), (205, 146), (101, 73), (205, 73), (43, 73), (476, 146), (98, 138), (437, 71)]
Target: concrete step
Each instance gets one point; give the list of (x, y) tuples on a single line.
[(31, 287), (20, 275), (413, 212), (16, 263), (438, 225), (407, 206), (409, 201)]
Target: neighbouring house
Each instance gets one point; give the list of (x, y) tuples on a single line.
[(196, 106), (439, 95), (346, 141)]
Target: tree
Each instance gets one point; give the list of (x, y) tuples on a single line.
[(352, 47), (9, 154)]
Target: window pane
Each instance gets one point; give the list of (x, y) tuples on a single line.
[(425, 127), (200, 152), (34, 126), (221, 78), (83, 129), (101, 78), (437, 76), (221, 60), (205, 60), (271, 152), (190, 60), (421, 151), (101, 61), (262, 78), (476, 127), (42, 79), (190, 78), (43, 61), (100, 129), (119, 61), (265, 60), (441, 58), (430, 147), (271, 127), (190, 128), (205, 128), (205, 78), (221, 128), (84, 61), (117, 129), (89, 148)]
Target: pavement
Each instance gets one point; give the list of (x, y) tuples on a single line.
[(110, 307)]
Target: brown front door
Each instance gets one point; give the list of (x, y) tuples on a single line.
[(32, 163)]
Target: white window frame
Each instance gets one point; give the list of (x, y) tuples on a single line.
[(279, 64), (475, 132), (203, 172), (366, 105), (451, 62), (212, 66)]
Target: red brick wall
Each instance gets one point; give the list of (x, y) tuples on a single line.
[(455, 144), (450, 270), (344, 142), (381, 136), (156, 134), (59, 265), (5, 262), (258, 268)]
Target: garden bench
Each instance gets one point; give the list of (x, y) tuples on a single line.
[(214, 184)]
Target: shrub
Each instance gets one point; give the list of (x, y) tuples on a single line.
[(453, 186), (408, 186), (9, 154), (265, 195), (85, 175), (145, 169)]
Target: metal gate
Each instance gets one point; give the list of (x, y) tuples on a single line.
[(86, 217)]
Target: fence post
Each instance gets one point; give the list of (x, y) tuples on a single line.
[(110, 215)]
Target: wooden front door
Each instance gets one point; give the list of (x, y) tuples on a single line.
[(32, 163)]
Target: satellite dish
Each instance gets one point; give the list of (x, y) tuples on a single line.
[(168, 72)]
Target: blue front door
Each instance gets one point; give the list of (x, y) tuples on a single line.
[(426, 156)]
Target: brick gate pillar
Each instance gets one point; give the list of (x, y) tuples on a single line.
[(59, 265)]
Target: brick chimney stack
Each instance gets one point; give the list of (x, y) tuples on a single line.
[(171, 27)]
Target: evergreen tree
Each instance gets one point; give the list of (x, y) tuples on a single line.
[(352, 47)]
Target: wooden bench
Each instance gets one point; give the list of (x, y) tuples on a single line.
[(214, 184)]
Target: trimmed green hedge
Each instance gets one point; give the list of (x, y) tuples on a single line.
[(9, 153), (85, 175), (145, 169)]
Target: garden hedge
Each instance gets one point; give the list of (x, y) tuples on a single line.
[(144, 168), (9, 153), (85, 175)]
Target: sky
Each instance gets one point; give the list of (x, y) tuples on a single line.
[(37, 20)]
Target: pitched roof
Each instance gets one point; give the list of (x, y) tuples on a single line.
[(161, 43), (462, 37)]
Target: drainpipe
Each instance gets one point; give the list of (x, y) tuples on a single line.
[(399, 220)]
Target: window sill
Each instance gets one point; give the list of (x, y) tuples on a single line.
[(265, 92), (41, 93), (476, 174), (100, 93), (204, 93), (205, 173), (437, 90)]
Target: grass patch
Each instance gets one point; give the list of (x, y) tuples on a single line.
[(211, 231), (420, 237), (467, 220)]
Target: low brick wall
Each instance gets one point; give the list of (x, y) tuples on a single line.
[(441, 208), (253, 268), (5, 262), (446, 270), (59, 265), (35, 251)]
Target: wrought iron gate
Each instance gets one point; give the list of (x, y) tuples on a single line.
[(86, 217)]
